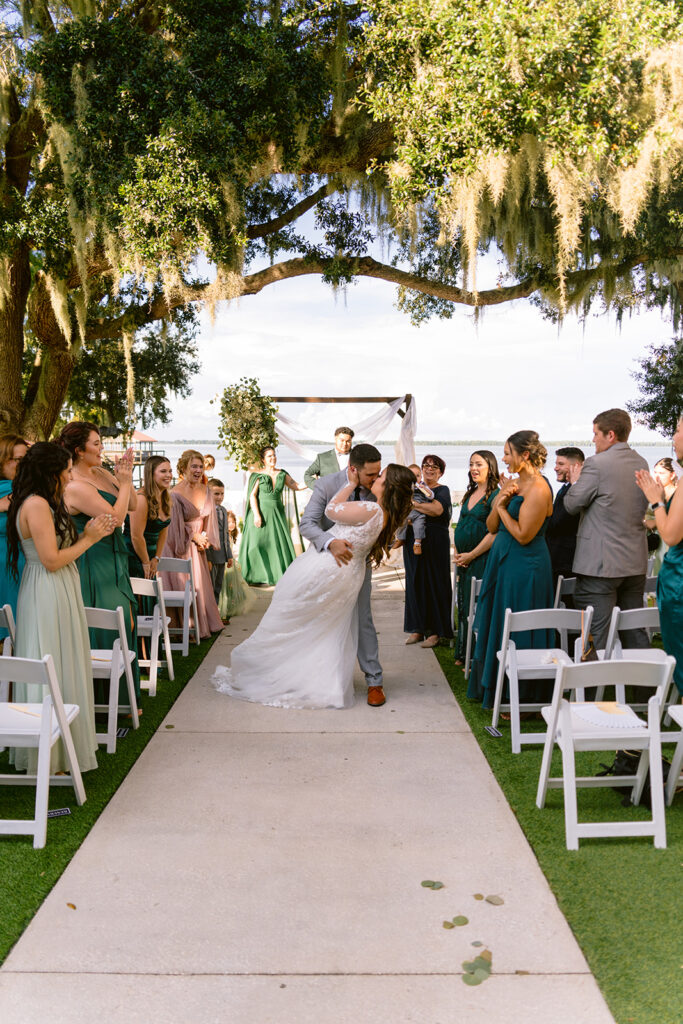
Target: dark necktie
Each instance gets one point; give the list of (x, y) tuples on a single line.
[(356, 493)]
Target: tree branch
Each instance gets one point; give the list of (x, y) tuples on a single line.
[(277, 223)]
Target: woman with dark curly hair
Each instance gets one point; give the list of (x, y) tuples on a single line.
[(472, 539), (50, 614), (518, 572), (12, 450), (429, 591)]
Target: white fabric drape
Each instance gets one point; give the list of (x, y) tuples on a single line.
[(289, 442), (404, 449)]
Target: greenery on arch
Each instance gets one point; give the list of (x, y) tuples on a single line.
[(246, 422)]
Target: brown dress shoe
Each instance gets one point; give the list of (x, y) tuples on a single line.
[(376, 696)]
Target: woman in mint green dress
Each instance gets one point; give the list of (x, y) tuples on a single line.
[(669, 522), (518, 574), (472, 539), (267, 550), (103, 568), (12, 450), (50, 613)]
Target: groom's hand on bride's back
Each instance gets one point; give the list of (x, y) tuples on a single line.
[(341, 550)]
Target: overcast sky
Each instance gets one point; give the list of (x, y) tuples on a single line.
[(481, 382)]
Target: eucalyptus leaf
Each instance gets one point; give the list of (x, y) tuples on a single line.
[(437, 885), (478, 895), (476, 943), (427, 884), (448, 924), (497, 901), (460, 920), (472, 979)]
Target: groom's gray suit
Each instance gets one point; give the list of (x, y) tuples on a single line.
[(315, 527)]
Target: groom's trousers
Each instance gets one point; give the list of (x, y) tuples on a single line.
[(368, 647)]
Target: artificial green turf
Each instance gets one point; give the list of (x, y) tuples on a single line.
[(28, 875), (621, 897)]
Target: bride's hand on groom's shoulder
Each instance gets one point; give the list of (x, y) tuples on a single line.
[(352, 474)]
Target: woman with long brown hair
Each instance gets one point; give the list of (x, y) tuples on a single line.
[(147, 525), (12, 450), (303, 651)]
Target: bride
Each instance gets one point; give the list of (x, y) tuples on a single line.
[(303, 651)]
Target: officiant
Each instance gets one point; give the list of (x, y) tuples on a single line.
[(332, 461)]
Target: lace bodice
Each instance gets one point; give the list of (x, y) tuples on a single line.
[(361, 535)]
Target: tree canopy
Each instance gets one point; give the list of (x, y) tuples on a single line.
[(140, 136)]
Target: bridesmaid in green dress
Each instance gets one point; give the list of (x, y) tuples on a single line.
[(267, 548), (12, 450), (103, 568), (50, 614), (472, 539), (518, 573), (146, 527), (669, 521)]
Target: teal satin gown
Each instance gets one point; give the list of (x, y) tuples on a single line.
[(105, 583), (9, 584), (152, 532), (670, 601), (470, 531), (266, 551), (519, 577)]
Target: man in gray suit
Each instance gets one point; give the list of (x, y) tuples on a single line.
[(315, 527), (333, 461), (610, 562)]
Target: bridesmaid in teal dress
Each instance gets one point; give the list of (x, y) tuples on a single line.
[(50, 614), (669, 522), (472, 539), (267, 548), (146, 527), (518, 573), (103, 568), (12, 450)]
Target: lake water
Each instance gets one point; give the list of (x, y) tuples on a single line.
[(456, 457)]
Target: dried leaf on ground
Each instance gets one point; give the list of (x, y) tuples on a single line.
[(497, 901)]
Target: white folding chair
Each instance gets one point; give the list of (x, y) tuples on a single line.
[(153, 627), (38, 725), (633, 618), (534, 663), (565, 587), (475, 590), (185, 599), (676, 715), (111, 665), (596, 726), (650, 565)]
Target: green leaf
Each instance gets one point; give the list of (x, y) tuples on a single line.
[(426, 885), (472, 979), (497, 901), (476, 943), (448, 924), (460, 920), (438, 885), (478, 895)]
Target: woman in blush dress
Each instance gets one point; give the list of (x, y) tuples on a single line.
[(267, 548), (303, 652), (193, 529), (668, 513), (518, 573), (50, 614), (12, 450), (472, 539), (103, 568), (429, 591)]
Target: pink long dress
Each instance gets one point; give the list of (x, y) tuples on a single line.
[(186, 520)]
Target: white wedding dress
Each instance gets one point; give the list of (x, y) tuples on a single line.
[(303, 652)]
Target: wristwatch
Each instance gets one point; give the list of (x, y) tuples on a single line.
[(657, 504)]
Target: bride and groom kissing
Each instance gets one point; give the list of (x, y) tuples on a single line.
[(320, 614)]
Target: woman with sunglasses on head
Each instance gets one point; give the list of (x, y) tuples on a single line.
[(429, 591)]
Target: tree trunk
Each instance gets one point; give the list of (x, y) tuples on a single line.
[(16, 272), (43, 412)]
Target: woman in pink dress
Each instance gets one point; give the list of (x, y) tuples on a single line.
[(193, 529)]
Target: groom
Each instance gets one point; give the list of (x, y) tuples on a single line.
[(315, 527)]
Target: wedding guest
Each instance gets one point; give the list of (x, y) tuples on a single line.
[(518, 574), (50, 613), (562, 528), (668, 513), (472, 539), (193, 530), (220, 557), (331, 461), (12, 450), (666, 476), (267, 548), (103, 567), (421, 494), (209, 464), (147, 525), (236, 598), (610, 562), (428, 575)]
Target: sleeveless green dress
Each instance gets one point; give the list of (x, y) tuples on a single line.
[(266, 551), (51, 620), (9, 584), (470, 530), (670, 601), (519, 577), (105, 583), (152, 532)]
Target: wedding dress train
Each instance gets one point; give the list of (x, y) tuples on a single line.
[(303, 652)]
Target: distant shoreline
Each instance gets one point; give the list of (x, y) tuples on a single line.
[(423, 444)]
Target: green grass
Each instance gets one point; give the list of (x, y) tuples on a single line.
[(28, 875), (621, 897)]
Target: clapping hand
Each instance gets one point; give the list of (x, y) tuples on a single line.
[(99, 527), (124, 466), (508, 488), (649, 486), (574, 471)]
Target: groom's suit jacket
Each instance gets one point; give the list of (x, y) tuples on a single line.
[(315, 525)]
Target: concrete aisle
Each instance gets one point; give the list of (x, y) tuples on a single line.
[(261, 865)]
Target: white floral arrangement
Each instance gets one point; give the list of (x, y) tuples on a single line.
[(247, 422)]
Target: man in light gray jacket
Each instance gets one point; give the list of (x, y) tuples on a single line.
[(610, 562)]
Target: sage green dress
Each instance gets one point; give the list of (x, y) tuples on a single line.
[(152, 532), (470, 531), (266, 551), (105, 583), (670, 601), (51, 620)]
